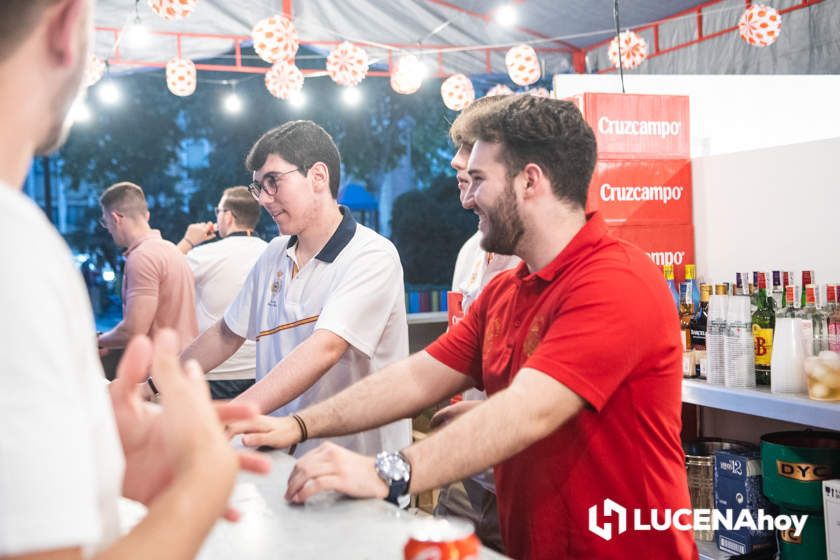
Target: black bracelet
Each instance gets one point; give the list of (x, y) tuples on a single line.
[(304, 435), (190, 242)]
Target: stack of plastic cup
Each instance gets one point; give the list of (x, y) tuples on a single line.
[(788, 360), (715, 333), (738, 346)]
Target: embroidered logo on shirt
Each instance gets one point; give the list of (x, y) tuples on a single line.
[(534, 336), (491, 333), (275, 289)]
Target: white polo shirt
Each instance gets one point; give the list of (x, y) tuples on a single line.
[(353, 288), (220, 269)]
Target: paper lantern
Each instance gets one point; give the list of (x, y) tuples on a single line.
[(172, 9), (760, 25), (94, 70), (180, 76), (406, 77), (498, 89), (283, 80), (457, 92), (523, 66), (275, 39), (347, 64), (634, 50), (539, 92)]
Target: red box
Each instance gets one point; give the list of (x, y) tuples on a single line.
[(664, 244), (637, 126), (642, 191)]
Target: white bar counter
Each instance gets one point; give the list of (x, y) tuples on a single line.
[(334, 527)]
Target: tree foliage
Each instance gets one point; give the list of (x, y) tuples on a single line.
[(429, 227)]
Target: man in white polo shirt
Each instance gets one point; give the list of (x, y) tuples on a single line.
[(325, 302), (220, 270)]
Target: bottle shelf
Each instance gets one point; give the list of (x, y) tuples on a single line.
[(427, 317), (761, 402)]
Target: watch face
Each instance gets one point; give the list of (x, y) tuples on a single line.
[(392, 466)]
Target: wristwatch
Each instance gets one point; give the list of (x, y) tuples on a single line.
[(395, 470)]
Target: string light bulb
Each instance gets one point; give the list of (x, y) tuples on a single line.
[(506, 15), (351, 95)]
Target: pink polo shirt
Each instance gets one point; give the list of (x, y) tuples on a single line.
[(155, 267)]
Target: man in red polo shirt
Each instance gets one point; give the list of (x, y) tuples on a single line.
[(578, 348)]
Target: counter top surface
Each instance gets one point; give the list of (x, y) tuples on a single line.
[(327, 527)]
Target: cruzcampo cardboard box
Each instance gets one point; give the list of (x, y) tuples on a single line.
[(831, 509), (738, 487)]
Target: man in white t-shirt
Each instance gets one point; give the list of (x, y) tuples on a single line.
[(473, 498), (220, 269), (67, 451), (325, 302)]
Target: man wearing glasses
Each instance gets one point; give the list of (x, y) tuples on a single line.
[(325, 302), (157, 289), (220, 270)]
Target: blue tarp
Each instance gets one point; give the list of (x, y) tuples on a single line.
[(356, 197)]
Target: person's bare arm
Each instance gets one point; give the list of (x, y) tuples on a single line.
[(139, 314), (213, 346), (400, 390), (529, 410), (297, 372)]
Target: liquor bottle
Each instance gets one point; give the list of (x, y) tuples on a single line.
[(691, 276), (778, 292), (830, 298), (814, 324), (697, 326), (807, 278), (763, 324), (686, 312), (789, 312), (668, 270), (834, 329), (741, 283)]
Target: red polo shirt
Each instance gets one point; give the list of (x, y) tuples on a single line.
[(600, 320)]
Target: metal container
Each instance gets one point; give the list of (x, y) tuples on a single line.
[(794, 464), (700, 469), (807, 546)]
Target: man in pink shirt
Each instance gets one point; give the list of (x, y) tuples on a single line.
[(158, 290)]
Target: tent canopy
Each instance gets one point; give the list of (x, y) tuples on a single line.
[(462, 36), (356, 197)]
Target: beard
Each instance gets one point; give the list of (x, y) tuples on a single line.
[(504, 225)]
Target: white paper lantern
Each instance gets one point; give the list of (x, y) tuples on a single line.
[(406, 76), (634, 50), (457, 92), (180, 76), (172, 9), (523, 66), (94, 70), (283, 80), (498, 89), (760, 25), (275, 39), (347, 64)]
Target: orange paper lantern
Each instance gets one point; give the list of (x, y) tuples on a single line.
[(94, 70), (283, 80), (457, 92), (406, 77), (760, 25), (523, 66), (634, 50), (172, 9), (347, 64), (275, 39), (498, 89), (180, 76)]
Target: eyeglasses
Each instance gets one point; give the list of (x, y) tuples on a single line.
[(270, 182)]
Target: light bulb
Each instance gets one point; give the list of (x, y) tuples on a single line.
[(232, 103), (108, 92), (351, 96), (80, 112), (506, 15), (297, 99)]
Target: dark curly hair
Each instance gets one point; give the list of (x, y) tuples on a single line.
[(548, 132), (301, 143)]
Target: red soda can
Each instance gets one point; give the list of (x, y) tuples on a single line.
[(442, 539)]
